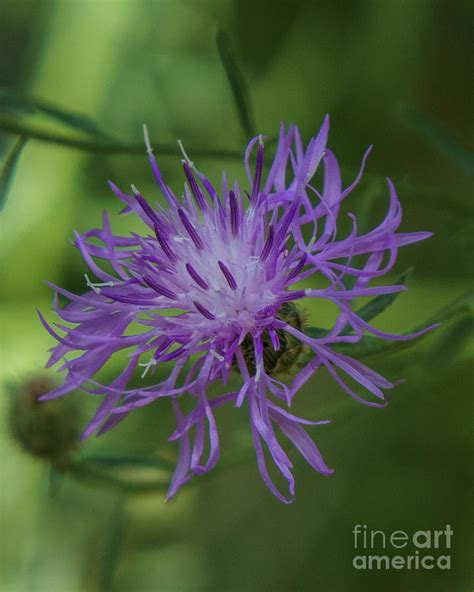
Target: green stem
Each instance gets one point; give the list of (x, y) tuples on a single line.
[(113, 542), (94, 476), (102, 146), (155, 461), (91, 472), (8, 168), (237, 83)]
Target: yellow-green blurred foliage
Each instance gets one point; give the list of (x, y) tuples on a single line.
[(409, 467)]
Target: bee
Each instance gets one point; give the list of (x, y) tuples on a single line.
[(286, 358)]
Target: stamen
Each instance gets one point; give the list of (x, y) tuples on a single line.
[(159, 288), (97, 286), (227, 274), (149, 211), (164, 245), (203, 310), (287, 296), (287, 220), (216, 355), (186, 157), (196, 277), (258, 168), (268, 243), (202, 203), (167, 193), (190, 229), (299, 266), (174, 354), (208, 186), (234, 213), (147, 366), (146, 137)]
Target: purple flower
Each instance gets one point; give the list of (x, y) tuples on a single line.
[(223, 266)]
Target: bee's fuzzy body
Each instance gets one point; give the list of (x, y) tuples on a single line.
[(287, 356)]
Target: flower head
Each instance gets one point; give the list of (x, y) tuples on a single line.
[(222, 265)]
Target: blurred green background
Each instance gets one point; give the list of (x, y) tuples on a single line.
[(392, 73)]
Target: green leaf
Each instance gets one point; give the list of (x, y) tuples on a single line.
[(452, 342), (8, 168), (237, 83), (371, 345), (443, 142), (462, 305), (380, 303), (11, 101), (316, 332)]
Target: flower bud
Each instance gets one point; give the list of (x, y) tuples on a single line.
[(50, 429)]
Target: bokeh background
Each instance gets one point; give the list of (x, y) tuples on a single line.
[(392, 73)]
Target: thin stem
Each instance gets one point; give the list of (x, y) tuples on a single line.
[(94, 476), (237, 83), (102, 146), (89, 472), (8, 168), (108, 461), (113, 543)]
